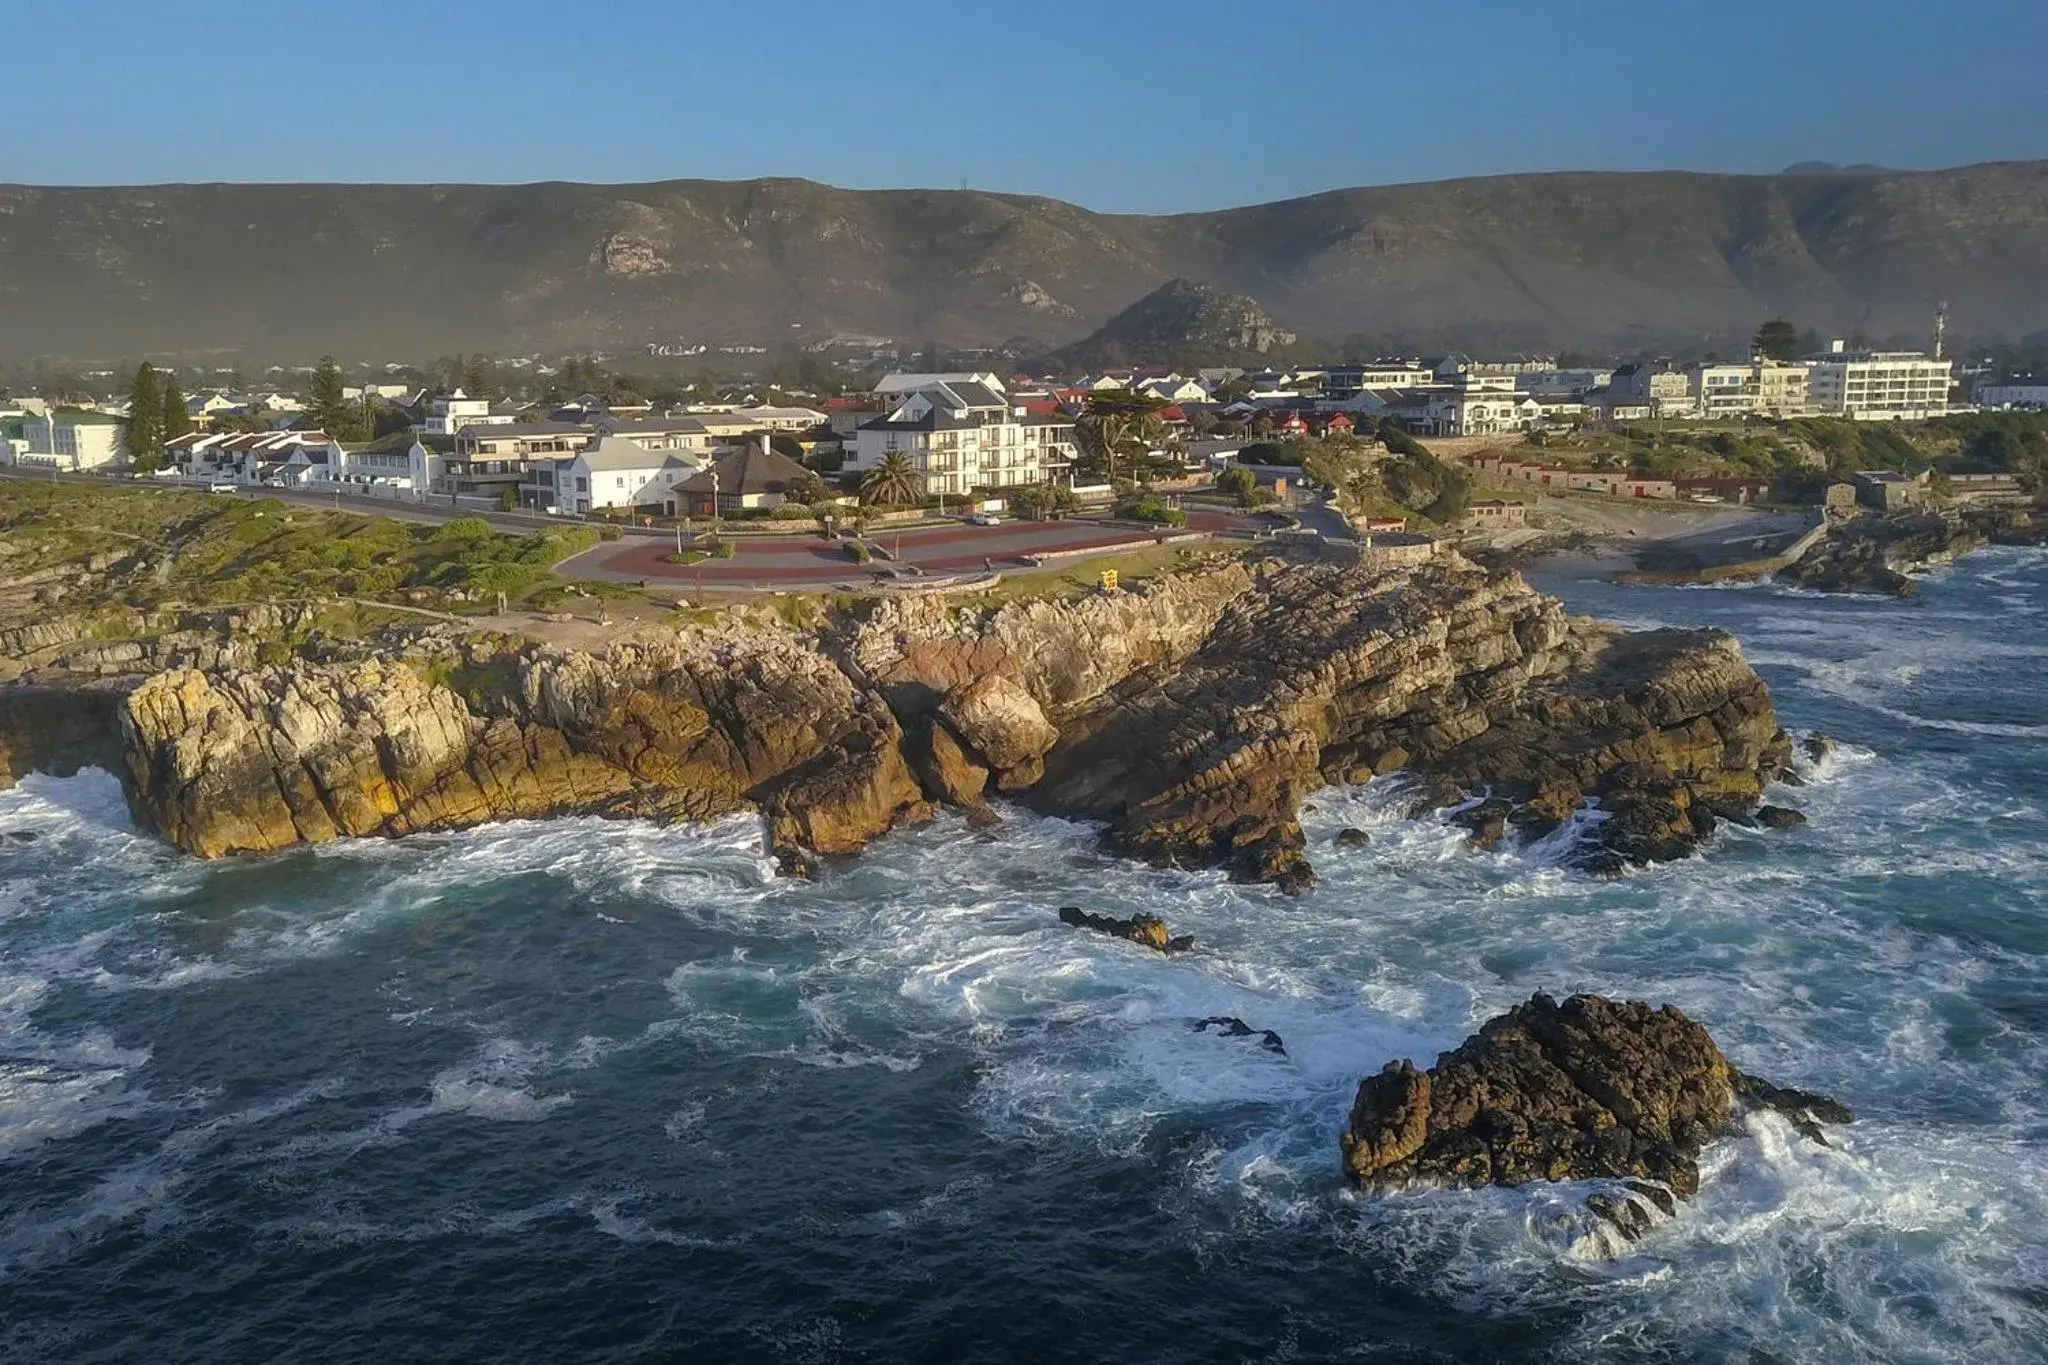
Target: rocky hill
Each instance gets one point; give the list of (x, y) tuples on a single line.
[(1590, 260), (1180, 322)]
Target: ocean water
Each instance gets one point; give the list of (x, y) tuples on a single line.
[(590, 1091)]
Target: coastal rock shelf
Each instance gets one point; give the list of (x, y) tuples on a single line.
[(1190, 716)]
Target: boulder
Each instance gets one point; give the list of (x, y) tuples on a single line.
[(1003, 724), (1588, 1089), (1351, 837), (949, 774), (1779, 817)]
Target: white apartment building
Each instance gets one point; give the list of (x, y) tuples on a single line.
[(1476, 403), (966, 435), (73, 441), (1879, 386), (1751, 388)]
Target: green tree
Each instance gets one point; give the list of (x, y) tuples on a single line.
[(1119, 430), (894, 480), (1237, 481), (327, 408), (1039, 501), (174, 420), (145, 434), (1777, 340), (480, 379), (806, 488)]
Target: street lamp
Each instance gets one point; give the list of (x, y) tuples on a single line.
[(714, 502)]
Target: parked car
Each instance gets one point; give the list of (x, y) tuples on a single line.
[(221, 488), (987, 519)]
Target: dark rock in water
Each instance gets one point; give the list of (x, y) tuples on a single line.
[(1149, 930), (1352, 838), (21, 836), (1779, 817), (1487, 822), (1817, 745), (1806, 1110), (1232, 1027), (979, 816), (1589, 1089)]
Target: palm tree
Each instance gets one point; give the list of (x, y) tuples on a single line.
[(893, 480)]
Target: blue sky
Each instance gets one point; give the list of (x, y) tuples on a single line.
[(1176, 104)]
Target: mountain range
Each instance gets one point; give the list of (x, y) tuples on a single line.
[(1618, 261)]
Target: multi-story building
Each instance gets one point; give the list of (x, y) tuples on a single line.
[(1665, 392), (1881, 385), (614, 473), (966, 435), (73, 440), (685, 436), (1751, 388), (2019, 394), (449, 413), (1480, 403), (489, 460)]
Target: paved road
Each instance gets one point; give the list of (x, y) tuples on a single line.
[(939, 552), (1321, 516)]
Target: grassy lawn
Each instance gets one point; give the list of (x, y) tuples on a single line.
[(196, 550)]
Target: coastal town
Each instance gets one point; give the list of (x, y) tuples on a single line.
[(1393, 450)]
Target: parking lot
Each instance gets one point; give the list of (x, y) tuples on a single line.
[(786, 561)]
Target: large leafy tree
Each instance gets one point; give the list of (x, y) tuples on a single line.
[(480, 379), (1777, 340), (1119, 430), (895, 479), (145, 419)]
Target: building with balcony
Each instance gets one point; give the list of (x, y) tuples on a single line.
[(1879, 386), (489, 460), (967, 435)]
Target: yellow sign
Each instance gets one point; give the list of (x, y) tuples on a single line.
[(1109, 580)]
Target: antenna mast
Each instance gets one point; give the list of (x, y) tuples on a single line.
[(1940, 325)]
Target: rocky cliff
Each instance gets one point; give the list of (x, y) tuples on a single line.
[(1191, 717)]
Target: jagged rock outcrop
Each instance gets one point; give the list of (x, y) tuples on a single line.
[(1876, 553), (1588, 1089), (711, 724), (1190, 716)]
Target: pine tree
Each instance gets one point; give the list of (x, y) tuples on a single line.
[(479, 378), (329, 410), (173, 420), (145, 420), (1777, 340)]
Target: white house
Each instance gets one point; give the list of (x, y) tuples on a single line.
[(614, 473), (404, 460), (449, 413), (769, 418), (961, 436)]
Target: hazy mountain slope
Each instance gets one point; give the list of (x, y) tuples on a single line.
[(1567, 259)]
